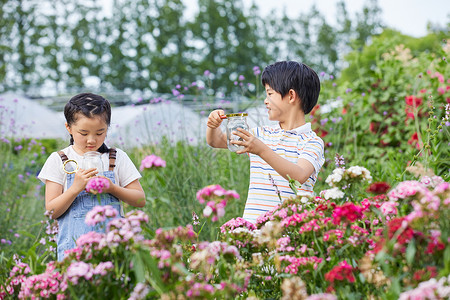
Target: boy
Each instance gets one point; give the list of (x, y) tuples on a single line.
[(290, 149)]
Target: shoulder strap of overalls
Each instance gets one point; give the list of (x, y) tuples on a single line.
[(112, 158), (63, 156)]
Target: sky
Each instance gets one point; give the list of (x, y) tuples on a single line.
[(408, 16)]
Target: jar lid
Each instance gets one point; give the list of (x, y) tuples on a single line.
[(237, 115)]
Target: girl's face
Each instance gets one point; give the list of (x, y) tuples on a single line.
[(88, 133)]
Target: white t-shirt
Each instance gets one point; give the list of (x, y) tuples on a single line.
[(125, 171), (265, 182)]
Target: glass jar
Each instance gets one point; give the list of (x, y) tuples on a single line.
[(92, 159), (235, 121)]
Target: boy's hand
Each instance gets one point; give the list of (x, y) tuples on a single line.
[(251, 143), (214, 118), (82, 177)]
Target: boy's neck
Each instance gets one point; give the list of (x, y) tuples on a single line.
[(293, 122)]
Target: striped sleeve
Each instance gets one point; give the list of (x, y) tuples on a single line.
[(313, 152)]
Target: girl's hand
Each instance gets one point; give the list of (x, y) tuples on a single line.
[(214, 119), (110, 188), (82, 177), (251, 144)]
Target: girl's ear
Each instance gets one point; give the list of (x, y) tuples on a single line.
[(68, 128)]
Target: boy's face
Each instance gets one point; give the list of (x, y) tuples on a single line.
[(276, 105)]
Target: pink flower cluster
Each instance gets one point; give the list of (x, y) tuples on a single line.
[(100, 214), (406, 189), (200, 290), (431, 289), (296, 262), (81, 270), (152, 161), (283, 244), (347, 213), (235, 223), (168, 236), (216, 198), (97, 184), (92, 240), (140, 291), (126, 230), (43, 285), (18, 276), (207, 254)]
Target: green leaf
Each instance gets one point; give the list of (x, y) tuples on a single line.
[(25, 233), (411, 252)]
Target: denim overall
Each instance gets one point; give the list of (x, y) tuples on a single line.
[(71, 223)]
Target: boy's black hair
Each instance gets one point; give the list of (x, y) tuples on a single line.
[(89, 105), (285, 75)]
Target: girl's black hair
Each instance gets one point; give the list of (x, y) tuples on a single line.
[(89, 105), (285, 75)]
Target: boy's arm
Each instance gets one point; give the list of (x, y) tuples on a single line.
[(214, 135), (299, 171)]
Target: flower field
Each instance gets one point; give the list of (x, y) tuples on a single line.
[(377, 228)]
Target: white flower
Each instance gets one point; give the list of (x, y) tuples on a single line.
[(355, 171), (207, 211), (334, 193), (335, 177), (304, 200)]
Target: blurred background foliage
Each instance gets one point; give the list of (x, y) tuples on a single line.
[(150, 45)]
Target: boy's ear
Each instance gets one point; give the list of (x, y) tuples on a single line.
[(292, 96)]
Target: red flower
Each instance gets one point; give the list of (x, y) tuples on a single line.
[(373, 127), (414, 140), (405, 232), (434, 246), (344, 111), (409, 111), (378, 188), (413, 101), (322, 133), (341, 272), (315, 108)]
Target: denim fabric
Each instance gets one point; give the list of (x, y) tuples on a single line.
[(71, 223)]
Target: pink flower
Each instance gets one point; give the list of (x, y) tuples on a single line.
[(347, 213), (216, 198), (77, 270), (99, 214), (97, 184), (235, 223), (151, 161), (389, 207), (406, 189)]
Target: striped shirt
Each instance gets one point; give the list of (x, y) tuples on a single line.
[(292, 145)]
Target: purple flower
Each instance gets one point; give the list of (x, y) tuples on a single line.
[(241, 78), (256, 70)]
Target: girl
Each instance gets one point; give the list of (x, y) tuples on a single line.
[(88, 117)]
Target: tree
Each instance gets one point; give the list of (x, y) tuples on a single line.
[(226, 41)]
